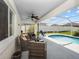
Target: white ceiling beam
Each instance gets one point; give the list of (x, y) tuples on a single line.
[(63, 7)]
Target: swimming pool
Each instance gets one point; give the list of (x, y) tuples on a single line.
[(64, 38)]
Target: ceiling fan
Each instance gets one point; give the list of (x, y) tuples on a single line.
[(33, 17)]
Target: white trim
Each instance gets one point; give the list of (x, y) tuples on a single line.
[(63, 7), (13, 19), (8, 22), (9, 5)]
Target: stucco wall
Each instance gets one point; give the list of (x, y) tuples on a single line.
[(7, 48)]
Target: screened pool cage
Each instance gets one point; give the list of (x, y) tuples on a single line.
[(74, 25), (64, 24), (68, 22)]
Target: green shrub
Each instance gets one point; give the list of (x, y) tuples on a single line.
[(76, 34)]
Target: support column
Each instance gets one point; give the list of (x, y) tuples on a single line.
[(36, 29)]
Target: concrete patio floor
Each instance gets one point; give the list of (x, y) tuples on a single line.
[(56, 51)]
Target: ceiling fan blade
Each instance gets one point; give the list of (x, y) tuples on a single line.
[(37, 17)]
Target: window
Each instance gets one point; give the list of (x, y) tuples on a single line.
[(3, 20), (6, 21), (26, 28)]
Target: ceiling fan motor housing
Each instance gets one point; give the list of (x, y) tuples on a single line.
[(35, 17)]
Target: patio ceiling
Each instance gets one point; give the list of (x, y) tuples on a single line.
[(38, 7), (42, 8)]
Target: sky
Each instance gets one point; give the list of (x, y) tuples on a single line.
[(68, 16)]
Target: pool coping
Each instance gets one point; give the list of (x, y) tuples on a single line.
[(62, 34), (63, 43)]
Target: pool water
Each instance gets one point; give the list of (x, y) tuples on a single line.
[(64, 38)]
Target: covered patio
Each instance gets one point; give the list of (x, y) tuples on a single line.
[(25, 16)]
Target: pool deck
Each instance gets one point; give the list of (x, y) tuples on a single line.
[(56, 51), (73, 47)]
